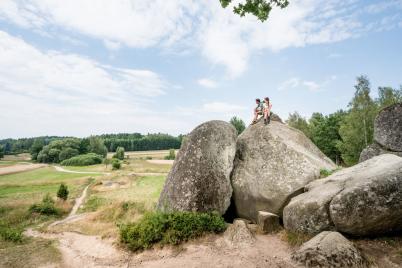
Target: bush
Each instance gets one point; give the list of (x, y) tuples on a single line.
[(116, 164), (171, 156), (67, 153), (62, 193), (83, 160), (10, 234), (119, 153), (46, 207), (169, 228)]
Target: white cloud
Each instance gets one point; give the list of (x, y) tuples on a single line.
[(29, 71), (66, 89), (208, 83), (222, 37), (313, 86), (112, 45)]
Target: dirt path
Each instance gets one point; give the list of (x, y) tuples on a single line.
[(80, 250), (58, 168), (72, 216), (161, 162), (148, 173), (19, 168)]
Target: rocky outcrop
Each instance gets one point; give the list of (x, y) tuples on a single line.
[(365, 199), (272, 164), (388, 128), (200, 177), (329, 249), (374, 150), (387, 133)]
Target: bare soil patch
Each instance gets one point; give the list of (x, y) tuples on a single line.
[(4, 170), (161, 162)]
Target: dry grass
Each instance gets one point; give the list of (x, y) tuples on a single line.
[(294, 239), (18, 157), (32, 253), (146, 154)]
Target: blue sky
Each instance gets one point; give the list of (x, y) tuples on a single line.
[(84, 67)]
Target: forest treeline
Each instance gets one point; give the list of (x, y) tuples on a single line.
[(344, 134), (130, 142)]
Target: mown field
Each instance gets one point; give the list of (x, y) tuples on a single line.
[(114, 197)]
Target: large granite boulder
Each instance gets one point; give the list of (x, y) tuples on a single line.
[(388, 128), (200, 177), (273, 163), (329, 249), (374, 150), (365, 199)]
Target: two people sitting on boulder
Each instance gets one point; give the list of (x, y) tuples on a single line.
[(262, 109)]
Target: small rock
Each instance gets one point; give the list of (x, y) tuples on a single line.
[(268, 222), (329, 249), (238, 234)]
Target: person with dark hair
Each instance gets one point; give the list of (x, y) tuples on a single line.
[(257, 111), (267, 110)]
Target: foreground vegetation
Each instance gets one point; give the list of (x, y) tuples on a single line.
[(169, 228)]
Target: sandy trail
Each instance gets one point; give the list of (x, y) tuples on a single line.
[(161, 162), (58, 168), (20, 168), (72, 216)]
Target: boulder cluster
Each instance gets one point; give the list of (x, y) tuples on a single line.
[(387, 133), (270, 175)]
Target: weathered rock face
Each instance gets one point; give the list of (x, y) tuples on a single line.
[(388, 128), (329, 249), (365, 199), (273, 163), (374, 150), (200, 177)]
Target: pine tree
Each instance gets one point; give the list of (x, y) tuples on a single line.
[(62, 193)]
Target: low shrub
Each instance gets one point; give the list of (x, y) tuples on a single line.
[(10, 234), (116, 164), (169, 228), (325, 172), (83, 160), (62, 193), (46, 207), (119, 153), (171, 155)]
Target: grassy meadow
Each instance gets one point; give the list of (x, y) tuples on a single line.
[(114, 197)]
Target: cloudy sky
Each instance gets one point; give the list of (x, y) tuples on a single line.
[(82, 67)]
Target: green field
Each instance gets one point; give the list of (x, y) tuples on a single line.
[(115, 196)]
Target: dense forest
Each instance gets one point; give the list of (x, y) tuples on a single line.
[(344, 134), (130, 142)]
